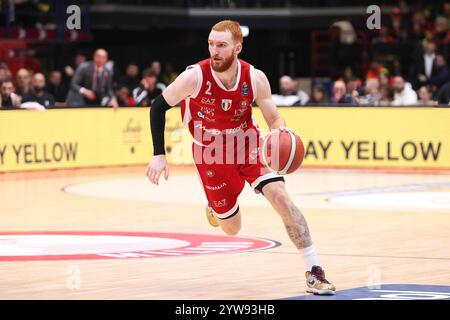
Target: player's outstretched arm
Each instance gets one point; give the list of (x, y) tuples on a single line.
[(265, 102), (178, 90)]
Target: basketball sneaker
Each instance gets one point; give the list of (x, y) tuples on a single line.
[(316, 282), (211, 218)]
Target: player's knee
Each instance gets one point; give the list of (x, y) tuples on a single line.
[(282, 200)]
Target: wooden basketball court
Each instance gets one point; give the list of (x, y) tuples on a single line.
[(369, 227)]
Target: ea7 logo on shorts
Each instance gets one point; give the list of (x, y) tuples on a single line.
[(226, 104), (220, 203)]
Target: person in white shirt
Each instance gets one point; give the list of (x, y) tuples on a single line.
[(289, 93), (404, 95), (302, 95)]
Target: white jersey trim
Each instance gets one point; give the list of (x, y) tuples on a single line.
[(187, 112), (220, 84), (253, 80), (267, 176), (228, 213)]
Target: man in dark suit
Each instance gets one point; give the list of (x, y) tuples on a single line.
[(423, 68), (91, 84)]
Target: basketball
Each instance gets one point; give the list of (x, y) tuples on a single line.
[(282, 151)]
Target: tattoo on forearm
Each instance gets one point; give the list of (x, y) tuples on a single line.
[(297, 228)]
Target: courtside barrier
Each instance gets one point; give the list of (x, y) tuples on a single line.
[(333, 136)]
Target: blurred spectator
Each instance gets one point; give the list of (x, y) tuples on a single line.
[(340, 95), (443, 95), (372, 95), (302, 95), (39, 96), (417, 33), (156, 67), (23, 83), (376, 70), (384, 79), (122, 94), (288, 93), (425, 96), (423, 67), (147, 90), (5, 73), (348, 74), (441, 72), (169, 74), (346, 49), (446, 10), (92, 83), (386, 95), (131, 77), (56, 87), (319, 95), (113, 67), (8, 99), (383, 36), (397, 26), (403, 93), (442, 34), (69, 70)]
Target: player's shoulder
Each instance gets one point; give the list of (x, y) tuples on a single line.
[(260, 76), (189, 76)]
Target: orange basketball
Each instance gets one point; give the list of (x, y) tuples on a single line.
[(282, 151)]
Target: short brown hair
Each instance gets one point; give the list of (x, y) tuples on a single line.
[(229, 25), (148, 72)]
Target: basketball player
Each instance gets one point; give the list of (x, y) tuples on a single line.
[(216, 96)]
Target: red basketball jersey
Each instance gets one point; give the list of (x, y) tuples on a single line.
[(215, 110)]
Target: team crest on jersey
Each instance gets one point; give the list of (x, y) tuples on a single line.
[(244, 89), (226, 104), (243, 103)]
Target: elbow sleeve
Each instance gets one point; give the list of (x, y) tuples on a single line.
[(157, 123)]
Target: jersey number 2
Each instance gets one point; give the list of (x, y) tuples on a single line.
[(208, 89)]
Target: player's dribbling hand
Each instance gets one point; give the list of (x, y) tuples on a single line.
[(156, 166)]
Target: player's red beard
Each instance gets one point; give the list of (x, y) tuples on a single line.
[(222, 65)]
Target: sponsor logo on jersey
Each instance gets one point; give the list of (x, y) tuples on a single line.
[(215, 188), (226, 104), (207, 110), (202, 116), (244, 89), (208, 101), (239, 113), (238, 117), (214, 131)]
